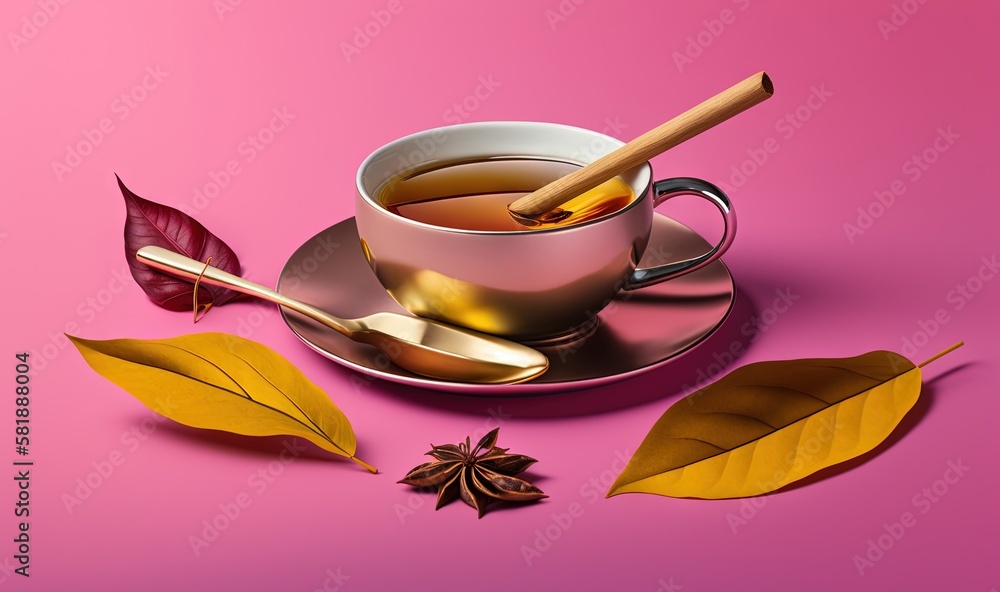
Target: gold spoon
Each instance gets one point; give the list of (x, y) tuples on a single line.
[(566, 196), (425, 347)]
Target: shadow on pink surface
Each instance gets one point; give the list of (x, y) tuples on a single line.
[(254, 447)]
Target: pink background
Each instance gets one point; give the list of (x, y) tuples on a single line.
[(609, 66)]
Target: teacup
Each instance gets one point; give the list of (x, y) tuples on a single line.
[(531, 285)]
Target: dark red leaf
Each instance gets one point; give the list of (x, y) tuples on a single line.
[(150, 223)]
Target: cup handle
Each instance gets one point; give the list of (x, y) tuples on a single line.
[(667, 189)]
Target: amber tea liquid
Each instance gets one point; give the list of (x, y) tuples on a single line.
[(474, 195)]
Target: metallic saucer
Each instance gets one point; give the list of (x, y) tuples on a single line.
[(638, 331)]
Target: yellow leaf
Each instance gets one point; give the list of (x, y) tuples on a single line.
[(768, 424), (223, 382)]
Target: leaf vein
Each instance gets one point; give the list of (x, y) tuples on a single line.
[(757, 419), (252, 400), (162, 232), (318, 430), (214, 365), (791, 389), (851, 370), (698, 440)]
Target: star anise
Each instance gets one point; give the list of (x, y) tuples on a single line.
[(478, 479)]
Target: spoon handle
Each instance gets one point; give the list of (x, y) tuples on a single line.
[(189, 269), (685, 126)]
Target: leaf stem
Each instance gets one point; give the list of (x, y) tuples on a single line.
[(370, 468), (945, 352)]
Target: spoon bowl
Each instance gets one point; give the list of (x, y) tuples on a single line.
[(449, 352)]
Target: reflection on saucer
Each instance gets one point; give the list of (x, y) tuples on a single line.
[(637, 332)]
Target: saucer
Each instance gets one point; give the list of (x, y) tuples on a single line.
[(637, 332)]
